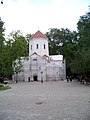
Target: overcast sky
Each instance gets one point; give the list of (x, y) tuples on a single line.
[(31, 15)]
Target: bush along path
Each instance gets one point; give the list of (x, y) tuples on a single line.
[(4, 87)]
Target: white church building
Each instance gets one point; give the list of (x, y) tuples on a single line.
[(40, 66)]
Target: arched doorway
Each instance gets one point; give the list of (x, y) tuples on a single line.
[(35, 78)]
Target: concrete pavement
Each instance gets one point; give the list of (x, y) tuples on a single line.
[(57, 100)]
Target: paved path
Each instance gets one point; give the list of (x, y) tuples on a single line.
[(45, 101)]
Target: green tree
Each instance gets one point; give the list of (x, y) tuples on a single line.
[(11, 49), (54, 40), (63, 41), (84, 31), (81, 63), (2, 45), (28, 37), (7, 60), (19, 49)]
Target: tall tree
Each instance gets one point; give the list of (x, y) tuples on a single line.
[(84, 30), (63, 41), (19, 49), (81, 63), (2, 40), (7, 60)]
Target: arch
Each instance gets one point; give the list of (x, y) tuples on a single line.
[(35, 78)]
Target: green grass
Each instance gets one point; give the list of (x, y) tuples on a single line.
[(4, 87)]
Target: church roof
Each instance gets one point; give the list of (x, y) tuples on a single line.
[(38, 34), (56, 57)]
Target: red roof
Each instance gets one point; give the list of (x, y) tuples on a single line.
[(38, 34)]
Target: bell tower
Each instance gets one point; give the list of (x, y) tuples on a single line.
[(38, 43)]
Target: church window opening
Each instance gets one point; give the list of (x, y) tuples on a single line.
[(37, 46), (31, 47), (34, 59), (44, 46)]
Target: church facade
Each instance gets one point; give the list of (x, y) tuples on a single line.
[(40, 66)]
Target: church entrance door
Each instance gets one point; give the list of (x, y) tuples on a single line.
[(35, 78)]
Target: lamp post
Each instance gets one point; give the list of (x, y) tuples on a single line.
[(41, 77)]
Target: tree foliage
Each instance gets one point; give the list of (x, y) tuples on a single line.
[(63, 41), (81, 63), (19, 45), (74, 46), (15, 47), (19, 49), (2, 41)]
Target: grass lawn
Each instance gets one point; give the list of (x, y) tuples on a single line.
[(4, 87)]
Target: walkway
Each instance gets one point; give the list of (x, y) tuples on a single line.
[(45, 101)]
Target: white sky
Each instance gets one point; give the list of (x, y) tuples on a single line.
[(31, 15)]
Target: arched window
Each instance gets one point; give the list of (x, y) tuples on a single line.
[(31, 47), (37, 46), (44, 46)]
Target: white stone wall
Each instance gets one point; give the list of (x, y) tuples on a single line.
[(25, 73), (54, 70), (26, 66), (40, 42), (42, 68), (39, 65)]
